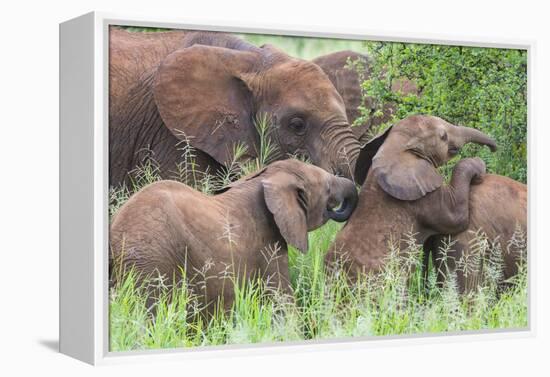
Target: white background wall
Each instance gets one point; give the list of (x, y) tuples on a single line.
[(29, 183)]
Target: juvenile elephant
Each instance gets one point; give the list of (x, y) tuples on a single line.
[(347, 70), (211, 89), (403, 192), (167, 228), (498, 212)]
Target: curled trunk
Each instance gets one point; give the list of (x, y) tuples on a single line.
[(346, 195)]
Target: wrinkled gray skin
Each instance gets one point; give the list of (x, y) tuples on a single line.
[(209, 89), (403, 192), (167, 228)]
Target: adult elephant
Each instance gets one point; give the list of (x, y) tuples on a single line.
[(347, 70), (210, 89)]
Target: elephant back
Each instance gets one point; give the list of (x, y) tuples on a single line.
[(132, 54)]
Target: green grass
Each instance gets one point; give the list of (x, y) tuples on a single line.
[(325, 306)]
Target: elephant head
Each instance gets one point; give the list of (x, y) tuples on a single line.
[(302, 197), (404, 158), (216, 87)]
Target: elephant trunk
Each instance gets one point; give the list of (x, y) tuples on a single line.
[(342, 147), (345, 194), (472, 135)]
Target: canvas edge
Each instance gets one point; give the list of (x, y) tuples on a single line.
[(76, 190)]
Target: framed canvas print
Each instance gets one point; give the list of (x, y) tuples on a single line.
[(231, 189)]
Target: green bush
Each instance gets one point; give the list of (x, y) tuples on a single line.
[(485, 88)]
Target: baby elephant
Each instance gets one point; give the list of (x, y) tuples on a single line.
[(402, 191), (170, 230), (498, 213)]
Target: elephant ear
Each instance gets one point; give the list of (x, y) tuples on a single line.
[(286, 199), (404, 175), (201, 95), (367, 153)]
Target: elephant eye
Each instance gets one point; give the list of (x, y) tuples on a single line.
[(444, 136), (297, 125)]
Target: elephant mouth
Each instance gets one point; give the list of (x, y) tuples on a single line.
[(337, 171), (301, 156), (453, 150), (433, 160), (342, 211)]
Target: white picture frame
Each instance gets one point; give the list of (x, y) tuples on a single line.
[(84, 193)]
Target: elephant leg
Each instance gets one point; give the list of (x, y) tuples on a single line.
[(469, 270), (274, 267), (429, 249), (446, 260)]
